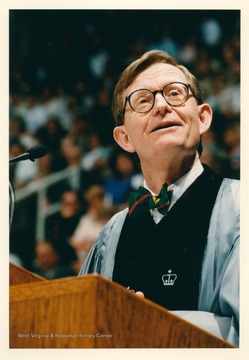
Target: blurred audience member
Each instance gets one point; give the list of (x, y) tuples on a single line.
[(204, 69), (51, 135), (81, 180), (213, 153), (61, 225), (232, 146), (54, 259), (125, 177), (57, 105), (211, 35), (21, 172), (44, 166), (91, 222), (17, 131), (72, 155), (81, 98), (99, 55), (165, 40), (34, 114), (96, 159), (188, 52), (79, 132), (101, 116), (231, 95)]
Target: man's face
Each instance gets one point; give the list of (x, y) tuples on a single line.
[(164, 128)]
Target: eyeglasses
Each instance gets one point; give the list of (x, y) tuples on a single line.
[(142, 100)]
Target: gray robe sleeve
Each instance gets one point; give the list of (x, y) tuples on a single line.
[(219, 288)]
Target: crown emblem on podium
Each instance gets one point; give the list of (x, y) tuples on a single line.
[(169, 279)]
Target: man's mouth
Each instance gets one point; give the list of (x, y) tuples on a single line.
[(164, 126)]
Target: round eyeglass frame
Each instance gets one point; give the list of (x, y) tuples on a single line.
[(127, 98)]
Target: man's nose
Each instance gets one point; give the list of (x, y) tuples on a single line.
[(161, 105)]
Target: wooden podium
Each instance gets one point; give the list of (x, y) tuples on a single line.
[(92, 312)]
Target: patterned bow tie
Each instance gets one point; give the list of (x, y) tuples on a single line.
[(142, 201)]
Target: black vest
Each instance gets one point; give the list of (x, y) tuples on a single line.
[(164, 260)]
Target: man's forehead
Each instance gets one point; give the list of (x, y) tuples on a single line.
[(157, 74)]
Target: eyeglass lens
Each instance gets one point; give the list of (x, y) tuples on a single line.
[(143, 100)]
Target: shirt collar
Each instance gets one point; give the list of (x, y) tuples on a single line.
[(181, 185)]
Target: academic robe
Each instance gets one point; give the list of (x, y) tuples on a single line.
[(218, 305)]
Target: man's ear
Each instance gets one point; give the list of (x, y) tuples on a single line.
[(205, 115), (122, 138)]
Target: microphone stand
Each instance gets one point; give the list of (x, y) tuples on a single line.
[(35, 152), (12, 203)]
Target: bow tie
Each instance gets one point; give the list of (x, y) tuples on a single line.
[(142, 200)]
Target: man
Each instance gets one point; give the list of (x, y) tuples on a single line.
[(183, 254)]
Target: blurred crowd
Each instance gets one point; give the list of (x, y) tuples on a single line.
[(63, 69)]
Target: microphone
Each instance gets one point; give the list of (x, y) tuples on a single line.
[(35, 152)]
